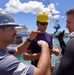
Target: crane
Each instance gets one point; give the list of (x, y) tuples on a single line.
[(56, 25)]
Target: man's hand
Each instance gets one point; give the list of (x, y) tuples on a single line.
[(33, 34), (55, 51), (42, 43)]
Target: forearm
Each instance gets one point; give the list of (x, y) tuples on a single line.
[(21, 48), (31, 56), (44, 61)]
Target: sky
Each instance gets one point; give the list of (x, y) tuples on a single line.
[(25, 12)]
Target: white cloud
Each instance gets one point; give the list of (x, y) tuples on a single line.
[(33, 7), (15, 6)]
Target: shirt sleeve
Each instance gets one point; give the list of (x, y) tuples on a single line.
[(51, 43), (51, 40), (30, 47), (23, 69), (31, 70)]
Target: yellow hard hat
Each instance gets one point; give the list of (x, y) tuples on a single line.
[(42, 17)]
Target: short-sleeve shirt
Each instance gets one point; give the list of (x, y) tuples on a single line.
[(35, 48), (9, 65)]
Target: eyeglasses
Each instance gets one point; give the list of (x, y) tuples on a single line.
[(43, 23)]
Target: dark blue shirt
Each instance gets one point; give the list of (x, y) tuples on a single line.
[(34, 47)]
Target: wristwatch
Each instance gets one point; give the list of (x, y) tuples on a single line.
[(29, 40)]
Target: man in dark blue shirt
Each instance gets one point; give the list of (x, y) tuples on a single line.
[(33, 51)]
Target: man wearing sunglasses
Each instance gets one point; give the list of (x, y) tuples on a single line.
[(33, 52)]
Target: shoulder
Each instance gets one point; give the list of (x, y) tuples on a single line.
[(11, 50), (71, 42), (48, 34), (70, 48)]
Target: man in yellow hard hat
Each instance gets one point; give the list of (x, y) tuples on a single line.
[(33, 51)]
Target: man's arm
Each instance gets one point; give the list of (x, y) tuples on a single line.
[(27, 55), (23, 46), (43, 67)]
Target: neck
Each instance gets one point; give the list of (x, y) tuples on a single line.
[(3, 45)]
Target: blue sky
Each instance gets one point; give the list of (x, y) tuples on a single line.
[(25, 11)]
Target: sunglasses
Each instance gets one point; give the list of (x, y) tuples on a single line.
[(43, 23)]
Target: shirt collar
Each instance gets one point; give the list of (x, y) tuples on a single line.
[(71, 35)]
